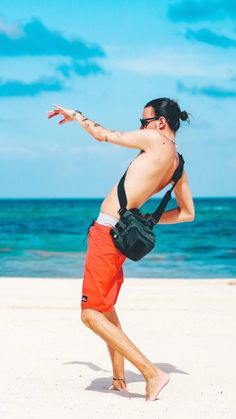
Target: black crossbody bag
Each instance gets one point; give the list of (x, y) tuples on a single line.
[(133, 234)]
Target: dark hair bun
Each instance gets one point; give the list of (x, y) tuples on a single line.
[(169, 108), (184, 116)]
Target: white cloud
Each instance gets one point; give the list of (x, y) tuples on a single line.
[(10, 29), (16, 151), (92, 148), (174, 65), (179, 60), (48, 150)]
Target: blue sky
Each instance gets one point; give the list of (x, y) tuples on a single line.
[(108, 60)]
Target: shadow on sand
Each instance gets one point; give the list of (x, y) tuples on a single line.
[(102, 384)]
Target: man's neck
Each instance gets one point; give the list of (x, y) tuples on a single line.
[(168, 134)]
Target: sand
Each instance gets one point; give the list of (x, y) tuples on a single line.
[(52, 366)]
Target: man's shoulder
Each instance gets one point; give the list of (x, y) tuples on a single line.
[(154, 137)]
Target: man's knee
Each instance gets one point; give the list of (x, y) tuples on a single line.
[(89, 316)]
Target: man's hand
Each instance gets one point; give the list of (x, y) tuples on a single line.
[(66, 113)]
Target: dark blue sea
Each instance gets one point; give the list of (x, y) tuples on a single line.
[(43, 238)]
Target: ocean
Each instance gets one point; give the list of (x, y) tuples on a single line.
[(43, 238)]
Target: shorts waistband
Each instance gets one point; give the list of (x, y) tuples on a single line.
[(106, 219)]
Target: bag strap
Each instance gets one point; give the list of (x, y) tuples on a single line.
[(121, 194), (156, 215)]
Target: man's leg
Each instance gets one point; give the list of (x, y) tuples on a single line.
[(117, 359), (116, 339)]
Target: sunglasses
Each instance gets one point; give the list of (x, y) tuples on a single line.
[(145, 122)]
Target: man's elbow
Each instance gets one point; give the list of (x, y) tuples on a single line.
[(99, 136), (191, 217), (187, 216)]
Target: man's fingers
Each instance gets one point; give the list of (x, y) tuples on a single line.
[(57, 106), (53, 113), (59, 111), (63, 121)]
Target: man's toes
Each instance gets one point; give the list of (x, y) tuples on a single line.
[(113, 387)]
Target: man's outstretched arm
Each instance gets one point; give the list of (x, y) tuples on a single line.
[(141, 139)]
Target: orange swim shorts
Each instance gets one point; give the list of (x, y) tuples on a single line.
[(103, 272)]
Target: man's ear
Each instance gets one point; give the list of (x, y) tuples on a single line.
[(162, 122)]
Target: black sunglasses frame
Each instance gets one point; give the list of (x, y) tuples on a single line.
[(145, 122)]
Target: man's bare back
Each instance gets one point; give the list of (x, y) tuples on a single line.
[(148, 173)]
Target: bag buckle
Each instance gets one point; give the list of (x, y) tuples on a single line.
[(121, 211), (150, 219)]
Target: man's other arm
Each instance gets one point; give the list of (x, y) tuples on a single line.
[(185, 211)]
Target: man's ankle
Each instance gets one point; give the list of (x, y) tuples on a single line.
[(150, 372)]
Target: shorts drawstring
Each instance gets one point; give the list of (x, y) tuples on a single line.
[(85, 237)]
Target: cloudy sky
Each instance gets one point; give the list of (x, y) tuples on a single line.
[(108, 60)]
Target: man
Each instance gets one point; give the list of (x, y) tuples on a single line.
[(148, 173)]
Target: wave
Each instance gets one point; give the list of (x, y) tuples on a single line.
[(48, 253)]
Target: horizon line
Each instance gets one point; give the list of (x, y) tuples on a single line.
[(98, 197)]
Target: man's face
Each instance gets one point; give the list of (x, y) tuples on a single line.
[(148, 113)]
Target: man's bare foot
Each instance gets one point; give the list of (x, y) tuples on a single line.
[(155, 384), (118, 384)]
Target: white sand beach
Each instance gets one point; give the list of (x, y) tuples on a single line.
[(53, 366)]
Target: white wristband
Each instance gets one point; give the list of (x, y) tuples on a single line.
[(73, 115)]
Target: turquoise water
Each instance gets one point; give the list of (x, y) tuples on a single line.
[(43, 238)]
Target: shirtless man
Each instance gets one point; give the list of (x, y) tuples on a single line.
[(149, 173)]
